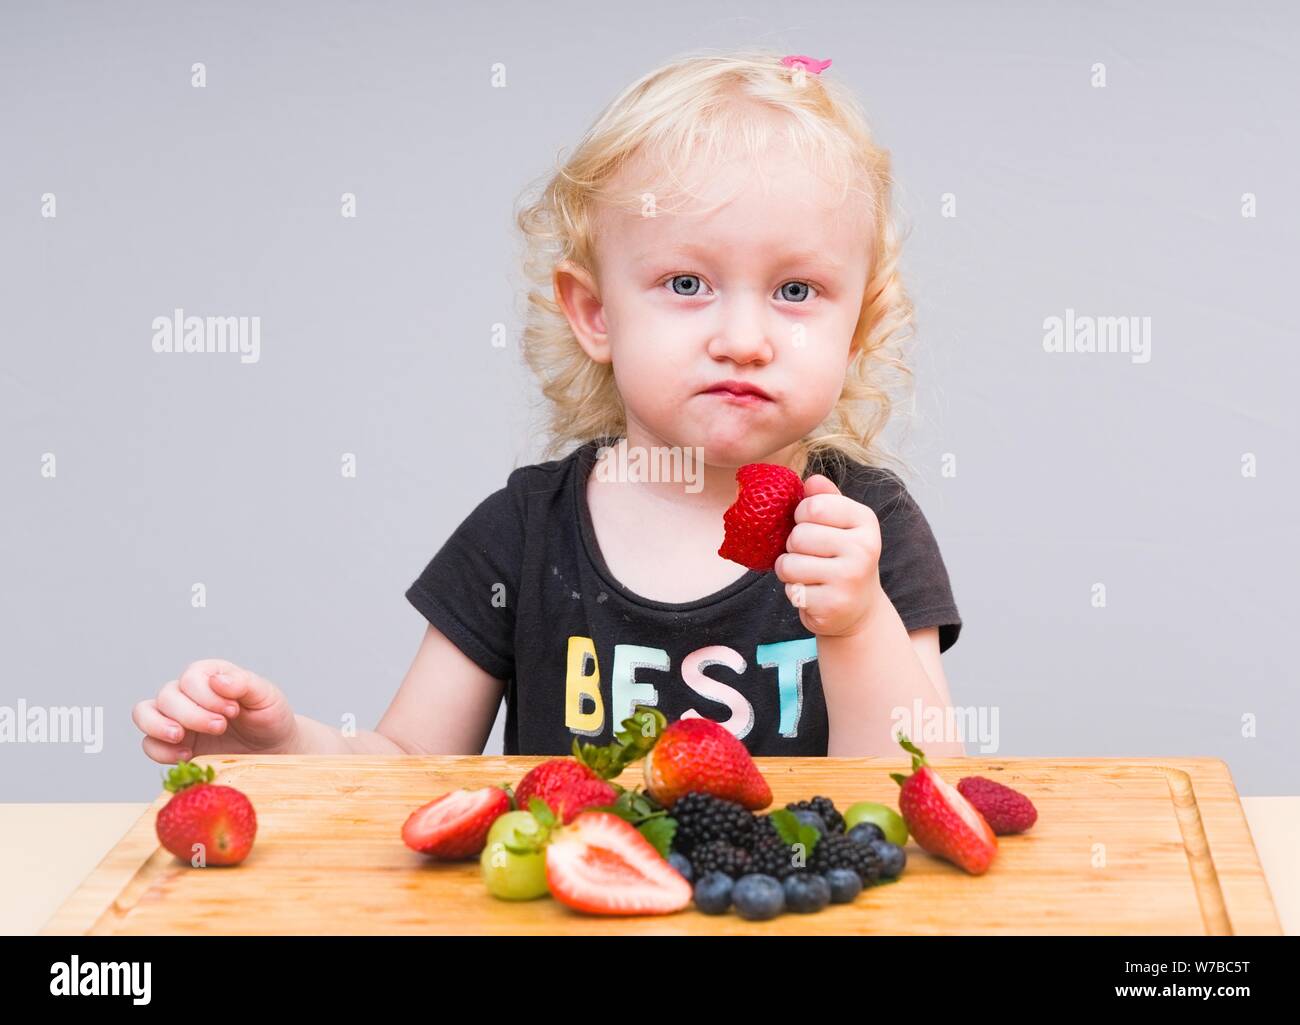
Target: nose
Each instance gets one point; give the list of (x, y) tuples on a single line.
[(742, 337)]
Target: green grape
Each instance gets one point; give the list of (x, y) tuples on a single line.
[(506, 874), (889, 821)]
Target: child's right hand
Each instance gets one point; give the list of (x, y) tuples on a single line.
[(215, 707)]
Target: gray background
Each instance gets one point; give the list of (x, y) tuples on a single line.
[(1072, 468)]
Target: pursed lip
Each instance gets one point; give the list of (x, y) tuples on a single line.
[(738, 388)]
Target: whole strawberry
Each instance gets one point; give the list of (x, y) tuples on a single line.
[(700, 754), (940, 819), (551, 777), (205, 821), (578, 797), (1005, 810), (757, 524), (567, 785)]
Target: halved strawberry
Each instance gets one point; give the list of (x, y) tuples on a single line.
[(601, 864), (757, 524), (940, 819), (456, 824)]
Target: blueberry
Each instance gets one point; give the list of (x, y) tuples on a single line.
[(865, 832), (682, 864), (758, 897), (811, 818), (845, 885), (806, 892), (892, 858), (713, 893)]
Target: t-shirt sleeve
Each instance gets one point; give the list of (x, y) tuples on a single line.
[(912, 571), (470, 586)]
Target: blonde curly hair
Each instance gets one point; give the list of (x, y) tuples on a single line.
[(706, 100)]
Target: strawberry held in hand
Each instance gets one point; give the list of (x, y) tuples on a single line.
[(831, 566), (940, 819), (203, 823), (758, 522)]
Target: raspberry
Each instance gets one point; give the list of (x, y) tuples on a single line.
[(1005, 810)]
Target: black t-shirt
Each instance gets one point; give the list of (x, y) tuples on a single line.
[(522, 589)]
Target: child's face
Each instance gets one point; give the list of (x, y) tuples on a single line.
[(767, 289)]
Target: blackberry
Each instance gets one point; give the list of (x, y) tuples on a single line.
[(823, 807), (764, 829), (720, 856), (772, 856), (702, 818), (837, 851)]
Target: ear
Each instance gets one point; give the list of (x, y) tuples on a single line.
[(578, 296)]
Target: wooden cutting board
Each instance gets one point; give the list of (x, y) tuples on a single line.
[(1121, 846)]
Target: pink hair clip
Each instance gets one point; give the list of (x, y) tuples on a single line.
[(811, 63)]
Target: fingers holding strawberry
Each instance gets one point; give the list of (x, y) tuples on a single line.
[(831, 567)]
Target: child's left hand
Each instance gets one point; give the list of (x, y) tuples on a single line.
[(831, 565)]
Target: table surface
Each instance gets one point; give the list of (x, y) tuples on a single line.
[(60, 844)]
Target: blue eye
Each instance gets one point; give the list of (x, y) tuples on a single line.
[(692, 286), (800, 293)]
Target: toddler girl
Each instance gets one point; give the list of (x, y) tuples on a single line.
[(718, 285)]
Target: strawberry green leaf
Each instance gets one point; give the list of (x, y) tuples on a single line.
[(187, 774), (898, 778), (642, 729), (526, 843), (792, 831), (918, 756), (787, 826), (660, 832), (632, 806), (638, 736), (541, 812)]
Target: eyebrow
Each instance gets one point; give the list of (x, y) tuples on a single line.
[(798, 256)]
